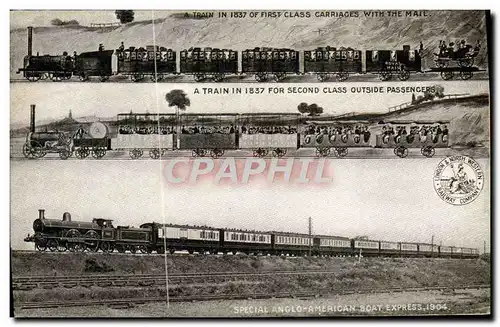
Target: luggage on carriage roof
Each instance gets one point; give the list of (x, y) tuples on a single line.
[(406, 47)]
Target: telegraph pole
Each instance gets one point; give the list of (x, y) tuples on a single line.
[(310, 236), (432, 246)]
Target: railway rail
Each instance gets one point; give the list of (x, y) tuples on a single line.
[(129, 302), (26, 283)]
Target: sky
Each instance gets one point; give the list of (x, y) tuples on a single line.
[(387, 199), (54, 100)]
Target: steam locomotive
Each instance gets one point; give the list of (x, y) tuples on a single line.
[(100, 235), (264, 63)]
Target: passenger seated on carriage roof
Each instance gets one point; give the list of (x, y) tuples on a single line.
[(122, 47), (101, 47)]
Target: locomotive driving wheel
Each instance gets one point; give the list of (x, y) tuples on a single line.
[(82, 153), (92, 241), (465, 75), (154, 153), (98, 152), (279, 152), (342, 76), (33, 77), (106, 247), (135, 153), (446, 75), (53, 245)]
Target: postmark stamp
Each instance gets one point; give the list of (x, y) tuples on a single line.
[(458, 180)]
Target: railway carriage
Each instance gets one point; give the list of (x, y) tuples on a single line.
[(211, 134), (409, 249), (366, 247), (404, 135), (153, 61), (145, 132), (291, 243), (208, 63), (445, 251), (332, 245), (268, 132), (428, 250), (95, 63), (235, 240), (328, 60), (266, 62), (390, 249), (386, 63)]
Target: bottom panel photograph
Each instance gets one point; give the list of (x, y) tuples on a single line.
[(117, 238)]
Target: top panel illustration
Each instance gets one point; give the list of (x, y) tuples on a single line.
[(248, 46)]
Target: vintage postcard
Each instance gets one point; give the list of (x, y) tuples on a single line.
[(250, 163)]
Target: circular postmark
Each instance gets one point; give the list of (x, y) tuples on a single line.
[(458, 180)]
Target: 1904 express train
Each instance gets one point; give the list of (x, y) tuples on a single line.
[(100, 235), (213, 134), (264, 63)]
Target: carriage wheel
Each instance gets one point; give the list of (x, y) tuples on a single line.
[(279, 76), (260, 153), (98, 153), (404, 75), (53, 245), (322, 77), (154, 153), (401, 151), (441, 63), (428, 151), (322, 152), (82, 153), (92, 245), (106, 247), (341, 152), (261, 77), (68, 76), (132, 249), (465, 62), (342, 76), (279, 152), (160, 250), (103, 78), (27, 150), (65, 154), (385, 75), (218, 77), (135, 153), (198, 153), (216, 153), (136, 77), (171, 250), (83, 77), (33, 77), (56, 77), (41, 246), (446, 75), (199, 77), (466, 75)]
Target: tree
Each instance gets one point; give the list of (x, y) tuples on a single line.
[(179, 100), (303, 108), (125, 16), (312, 110)]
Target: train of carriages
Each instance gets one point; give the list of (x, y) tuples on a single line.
[(158, 62), (212, 135), (100, 235)]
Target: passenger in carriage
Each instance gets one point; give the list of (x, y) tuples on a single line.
[(184, 130), (101, 47), (122, 47)]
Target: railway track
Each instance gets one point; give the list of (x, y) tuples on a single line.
[(129, 302), (27, 283)]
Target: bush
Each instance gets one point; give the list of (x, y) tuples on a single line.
[(58, 22)]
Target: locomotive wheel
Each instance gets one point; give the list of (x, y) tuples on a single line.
[(401, 152), (322, 77), (137, 77), (27, 150), (154, 153), (53, 245), (82, 153), (341, 152), (44, 76), (171, 250), (103, 78), (72, 233), (160, 250), (446, 75), (260, 153), (218, 77), (279, 76), (106, 247), (342, 76), (65, 154), (56, 77), (404, 75), (120, 248), (191, 251), (93, 244), (199, 153), (41, 247), (385, 75), (135, 153), (466, 75), (33, 77), (143, 249), (132, 249), (98, 153)]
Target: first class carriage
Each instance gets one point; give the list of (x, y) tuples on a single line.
[(264, 63), (100, 235), (213, 134)]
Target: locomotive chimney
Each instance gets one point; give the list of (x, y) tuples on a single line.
[(32, 118), (41, 214), (30, 41)]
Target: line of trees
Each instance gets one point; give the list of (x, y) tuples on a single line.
[(58, 22), (310, 109)]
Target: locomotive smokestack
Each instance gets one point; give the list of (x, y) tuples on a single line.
[(30, 41), (41, 214), (32, 118)]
